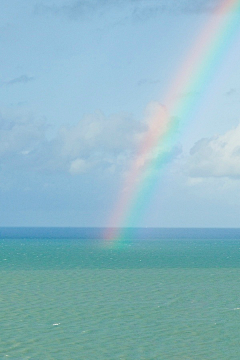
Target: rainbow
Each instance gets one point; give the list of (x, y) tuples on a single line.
[(194, 75)]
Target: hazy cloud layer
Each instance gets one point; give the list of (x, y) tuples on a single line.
[(19, 136), (218, 156), (19, 140), (138, 9)]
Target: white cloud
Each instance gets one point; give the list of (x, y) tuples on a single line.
[(19, 136), (77, 166), (96, 141), (218, 156), (99, 140), (98, 133)]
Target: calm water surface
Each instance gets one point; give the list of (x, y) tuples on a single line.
[(165, 294)]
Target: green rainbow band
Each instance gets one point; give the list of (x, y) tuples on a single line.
[(195, 74)]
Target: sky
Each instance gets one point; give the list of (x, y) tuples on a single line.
[(78, 81)]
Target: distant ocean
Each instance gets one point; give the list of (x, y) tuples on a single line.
[(166, 294)]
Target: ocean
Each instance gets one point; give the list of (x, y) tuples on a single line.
[(159, 294)]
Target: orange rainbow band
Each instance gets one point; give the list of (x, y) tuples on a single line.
[(194, 75)]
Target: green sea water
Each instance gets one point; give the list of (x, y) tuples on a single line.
[(152, 299)]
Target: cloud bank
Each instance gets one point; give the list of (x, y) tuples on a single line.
[(109, 143), (95, 141), (218, 156)]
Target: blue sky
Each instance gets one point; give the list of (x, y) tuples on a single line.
[(77, 79)]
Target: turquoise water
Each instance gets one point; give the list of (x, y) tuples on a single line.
[(166, 295)]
